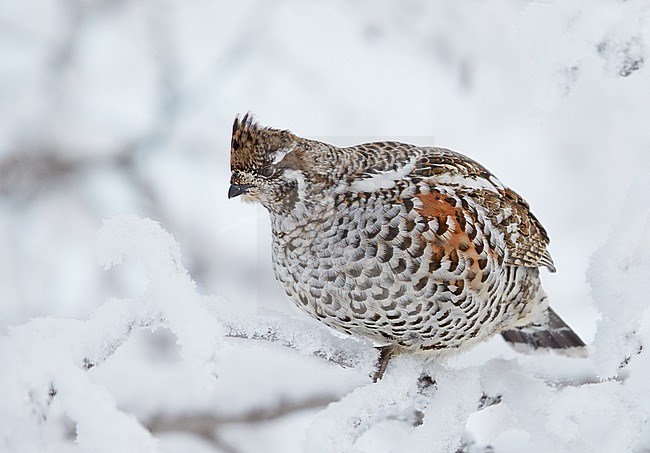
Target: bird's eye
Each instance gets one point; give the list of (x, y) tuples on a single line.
[(266, 172)]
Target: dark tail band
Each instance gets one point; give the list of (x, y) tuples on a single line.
[(553, 335)]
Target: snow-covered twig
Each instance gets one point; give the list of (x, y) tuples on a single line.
[(301, 334)]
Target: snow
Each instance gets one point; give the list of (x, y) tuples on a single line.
[(43, 363), (122, 111), (447, 412), (619, 275)]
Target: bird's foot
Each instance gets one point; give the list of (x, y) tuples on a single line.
[(385, 353)]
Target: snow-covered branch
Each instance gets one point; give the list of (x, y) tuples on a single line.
[(48, 357)]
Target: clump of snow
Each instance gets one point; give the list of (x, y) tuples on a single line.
[(553, 418), (170, 287), (447, 411), (619, 275), (43, 365), (338, 427)]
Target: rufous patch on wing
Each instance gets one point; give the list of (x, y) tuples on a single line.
[(435, 204), (450, 218), (453, 235)]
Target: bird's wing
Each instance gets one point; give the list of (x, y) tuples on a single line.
[(525, 239)]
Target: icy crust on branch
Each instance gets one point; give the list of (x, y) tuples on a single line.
[(300, 333)]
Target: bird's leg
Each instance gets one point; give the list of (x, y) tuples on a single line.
[(385, 353)]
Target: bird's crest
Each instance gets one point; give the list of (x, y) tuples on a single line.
[(245, 136), (251, 143)]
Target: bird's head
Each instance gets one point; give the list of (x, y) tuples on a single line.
[(270, 166)]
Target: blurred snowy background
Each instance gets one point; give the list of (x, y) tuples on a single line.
[(112, 107)]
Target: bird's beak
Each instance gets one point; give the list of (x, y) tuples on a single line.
[(238, 189)]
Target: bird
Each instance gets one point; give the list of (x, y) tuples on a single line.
[(416, 249)]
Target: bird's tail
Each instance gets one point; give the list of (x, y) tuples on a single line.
[(554, 335)]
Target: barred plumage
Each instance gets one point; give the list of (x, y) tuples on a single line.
[(415, 248)]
